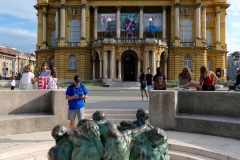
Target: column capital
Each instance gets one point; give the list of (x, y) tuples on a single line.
[(198, 5), (141, 7), (204, 7), (56, 7), (95, 7), (164, 7), (118, 7), (44, 14), (218, 12), (177, 5), (63, 6), (83, 6)]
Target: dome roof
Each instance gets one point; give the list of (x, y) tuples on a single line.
[(236, 53)]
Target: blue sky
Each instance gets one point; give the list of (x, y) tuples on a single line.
[(18, 25)]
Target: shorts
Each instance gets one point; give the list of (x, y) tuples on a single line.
[(149, 87), (79, 112), (208, 87), (143, 87)]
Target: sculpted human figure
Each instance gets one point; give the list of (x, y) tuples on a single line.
[(142, 116), (89, 146), (118, 143), (152, 145), (64, 144), (100, 118)]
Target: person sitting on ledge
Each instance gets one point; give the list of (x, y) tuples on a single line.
[(207, 80)]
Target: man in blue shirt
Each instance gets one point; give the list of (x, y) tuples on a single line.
[(76, 94)]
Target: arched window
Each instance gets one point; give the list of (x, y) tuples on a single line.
[(74, 31), (187, 62), (186, 30), (209, 37), (72, 65), (52, 38), (209, 64)]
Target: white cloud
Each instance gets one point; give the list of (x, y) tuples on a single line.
[(235, 24), (23, 40), (234, 7), (19, 8)]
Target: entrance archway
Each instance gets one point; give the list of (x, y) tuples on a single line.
[(129, 64)]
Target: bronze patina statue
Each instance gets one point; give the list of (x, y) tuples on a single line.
[(100, 139)]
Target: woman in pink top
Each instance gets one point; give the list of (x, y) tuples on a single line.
[(207, 80)]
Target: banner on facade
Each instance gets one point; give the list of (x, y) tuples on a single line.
[(129, 22), (156, 24), (107, 22)]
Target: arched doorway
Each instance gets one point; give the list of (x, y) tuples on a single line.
[(129, 65)]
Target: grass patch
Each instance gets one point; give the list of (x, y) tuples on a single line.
[(171, 84)]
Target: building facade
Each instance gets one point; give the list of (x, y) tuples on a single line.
[(109, 39), (13, 61)]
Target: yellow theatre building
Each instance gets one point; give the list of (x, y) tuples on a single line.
[(115, 39)]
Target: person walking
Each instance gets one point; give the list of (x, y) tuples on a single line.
[(149, 78), (143, 84), (76, 94), (13, 83), (206, 82)]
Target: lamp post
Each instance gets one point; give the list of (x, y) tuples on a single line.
[(150, 22)]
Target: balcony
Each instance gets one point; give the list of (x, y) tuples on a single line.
[(187, 44), (211, 48), (72, 44)]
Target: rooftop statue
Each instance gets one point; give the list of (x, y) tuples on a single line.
[(100, 139)]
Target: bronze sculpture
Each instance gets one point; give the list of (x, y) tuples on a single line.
[(100, 139)]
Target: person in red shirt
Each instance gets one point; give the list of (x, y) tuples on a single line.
[(207, 80)]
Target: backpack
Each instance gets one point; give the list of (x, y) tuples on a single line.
[(160, 83)]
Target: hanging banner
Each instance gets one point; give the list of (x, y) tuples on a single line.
[(129, 22), (107, 22), (156, 24)]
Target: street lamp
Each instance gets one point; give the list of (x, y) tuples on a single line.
[(150, 22)]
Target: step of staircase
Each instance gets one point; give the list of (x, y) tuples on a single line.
[(178, 155), (114, 115)]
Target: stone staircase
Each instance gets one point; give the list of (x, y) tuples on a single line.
[(115, 115), (125, 84)]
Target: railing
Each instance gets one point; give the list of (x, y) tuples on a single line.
[(187, 44), (72, 44), (211, 48), (129, 41)]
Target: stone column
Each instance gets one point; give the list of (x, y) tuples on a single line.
[(63, 10), (165, 63), (93, 62), (83, 22), (158, 63), (147, 60), (139, 66), (57, 23), (177, 5), (141, 23), (119, 70), (218, 27), (100, 69), (95, 22), (112, 65), (44, 26), (118, 23), (204, 22), (164, 22), (153, 62), (105, 63), (93, 69), (198, 18)]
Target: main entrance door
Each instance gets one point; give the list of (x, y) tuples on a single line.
[(129, 68)]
